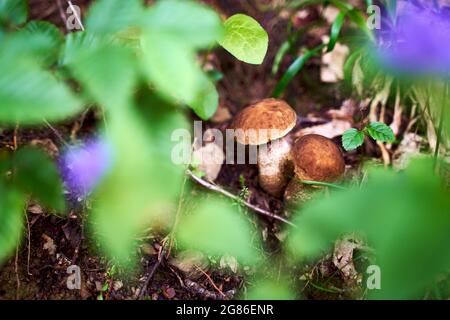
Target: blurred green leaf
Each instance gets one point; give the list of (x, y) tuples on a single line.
[(76, 44), (352, 139), (35, 173), (108, 73), (190, 22), (106, 17), (13, 11), (43, 40), (405, 217), (270, 290), (5, 161), (170, 65), (217, 228), (28, 95), (245, 39), (380, 132), (132, 198), (206, 101), (11, 214)]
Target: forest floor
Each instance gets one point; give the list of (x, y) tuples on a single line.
[(52, 243)]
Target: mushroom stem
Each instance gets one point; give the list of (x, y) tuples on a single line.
[(275, 165)]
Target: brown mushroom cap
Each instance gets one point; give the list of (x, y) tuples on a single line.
[(317, 158), (268, 114)]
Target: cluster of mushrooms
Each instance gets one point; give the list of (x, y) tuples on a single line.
[(282, 162)]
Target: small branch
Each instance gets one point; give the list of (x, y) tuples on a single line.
[(151, 273), (218, 189), (211, 281)]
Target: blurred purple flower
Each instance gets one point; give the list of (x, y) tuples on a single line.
[(418, 41), (84, 166)]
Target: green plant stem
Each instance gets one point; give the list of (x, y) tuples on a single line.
[(441, 125), (322, 184)]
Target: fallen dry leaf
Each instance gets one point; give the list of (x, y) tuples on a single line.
[(332, 69), (189, 262), (49, 244), (222, 114), (229, 262), (343, 258), (169, 293), (408, 149), (332, 129)]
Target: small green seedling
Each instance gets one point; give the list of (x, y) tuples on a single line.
[(354, 138)]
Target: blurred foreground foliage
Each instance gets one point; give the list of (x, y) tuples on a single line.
[(137, 64), (404, 216)]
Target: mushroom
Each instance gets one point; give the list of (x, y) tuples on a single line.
[(315, 158), (266, 125)]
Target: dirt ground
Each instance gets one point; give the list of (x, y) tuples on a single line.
[(51, 243)]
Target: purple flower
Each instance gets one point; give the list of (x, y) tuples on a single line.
[(417, 41), (84, 166)]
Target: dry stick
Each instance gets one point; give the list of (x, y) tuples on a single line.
[(62, 13), (152, 272), (29, 245), (56, 132), (216, 188), (211, 281)]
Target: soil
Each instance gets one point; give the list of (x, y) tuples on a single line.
[(52, 243)]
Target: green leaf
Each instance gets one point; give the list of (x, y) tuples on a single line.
[(107, 17), (352, 139), (207, 100), (28, 95), (11, 214), (13, 11), (192, 23), (76, 44), (108, 73), (172, 68), (35, 173), (380, 132), (294, 69), (245, 39), (217, 228), (270, 290), (170, 65), (335, 30), (47, 38), (404, 217), (142, 163)]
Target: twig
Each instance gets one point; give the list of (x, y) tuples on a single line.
[(15, 140), (151, 273), (62, 13), (211, 281), (29, 245), (56, 132), (177, 217), (216, 188)]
